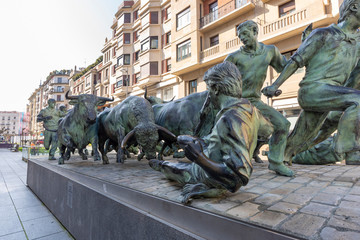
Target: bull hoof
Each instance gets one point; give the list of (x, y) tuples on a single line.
[(61, 161), (84, 157)]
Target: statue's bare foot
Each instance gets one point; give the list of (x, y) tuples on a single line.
[(281, 169), (52, 158), (199, 190)]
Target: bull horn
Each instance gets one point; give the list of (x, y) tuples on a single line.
[(170, 100), (145, 94), (166, 134), (106, 99), (127, 138), (70, 97)]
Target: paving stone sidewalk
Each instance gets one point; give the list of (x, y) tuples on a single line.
[(320, 202), (22, 214)]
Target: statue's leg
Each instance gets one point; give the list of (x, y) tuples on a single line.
[(47, 139), (54, 144), (306, 128), (329, 127), (277, 140), (194, 179)]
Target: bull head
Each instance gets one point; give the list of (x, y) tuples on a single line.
[(86, 104), (164, 134)]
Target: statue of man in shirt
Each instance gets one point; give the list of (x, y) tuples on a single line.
[(330, 55), (50, 117), (253, 60), (221, 161)]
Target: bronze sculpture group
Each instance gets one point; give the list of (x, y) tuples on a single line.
[(230, 118)]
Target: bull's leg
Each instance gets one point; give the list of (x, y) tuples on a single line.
[(127, 153), (141, 154), (95, 152), (67, 154), (62, 151), (81, 153), (256, 153), (160, 154), (120, 156), (102, 151)]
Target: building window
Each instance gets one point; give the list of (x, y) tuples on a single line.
[(136, 78), (136, 15), (166, 39), (183, 19), (58, 97), (287, 8), (136, 35), (168, 93), (125, 80), (154, 68), (183, 50), (166, 65), (114, 51), (154, 17), (136, 56), (154, 42), (165, 14), (59, 89), (214, 40), (126, 59), (127, 38), (113, 69), (106, 73), (59, 79), (127, 17), (192, 86), (123, 60)]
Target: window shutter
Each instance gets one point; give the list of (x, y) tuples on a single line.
[(162, 15), (162, 41)]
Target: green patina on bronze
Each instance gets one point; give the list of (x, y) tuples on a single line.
[(50, 117), (330, 55), (222, 159), (253, 60)]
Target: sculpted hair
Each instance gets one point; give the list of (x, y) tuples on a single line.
[(224, 78), (51, 100), (249, 25), (345, 10)]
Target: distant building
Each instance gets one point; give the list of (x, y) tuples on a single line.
[(13, 126)]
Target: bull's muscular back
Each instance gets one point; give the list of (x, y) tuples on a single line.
[(180, 116), (128, 114)]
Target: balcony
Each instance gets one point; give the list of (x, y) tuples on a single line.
[(54, 90), (294, 23), (220, 51), (237, 7)]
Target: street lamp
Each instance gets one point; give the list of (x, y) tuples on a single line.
[(125, 70)]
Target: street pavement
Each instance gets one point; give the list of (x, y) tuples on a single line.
[(22, 214)]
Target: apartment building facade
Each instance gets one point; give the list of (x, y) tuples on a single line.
[(168, 45), (13, 126)]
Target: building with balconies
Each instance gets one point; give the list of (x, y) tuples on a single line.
[(55, 86), (139, 53)]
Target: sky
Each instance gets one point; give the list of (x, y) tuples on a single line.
[(39, 36)]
